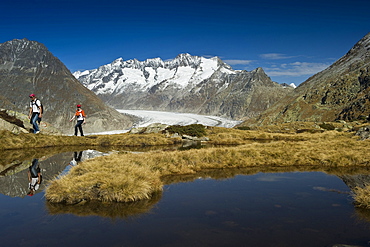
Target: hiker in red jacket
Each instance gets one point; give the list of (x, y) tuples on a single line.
[(80, 115)]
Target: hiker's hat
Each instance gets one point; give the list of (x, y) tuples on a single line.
[(32, 95), (78, 106)]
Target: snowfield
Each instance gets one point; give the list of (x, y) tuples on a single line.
[(173, 118)]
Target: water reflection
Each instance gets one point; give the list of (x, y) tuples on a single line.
[(256, 206), (34, 177), (32, 165), (109, 210)]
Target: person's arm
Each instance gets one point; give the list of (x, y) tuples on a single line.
[(39, 178), (41, 110), (72, 118), (84, 115), (30, 113)]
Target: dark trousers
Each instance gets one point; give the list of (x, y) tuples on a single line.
[(78, 126)]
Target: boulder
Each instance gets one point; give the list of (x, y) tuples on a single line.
[(364, 132)]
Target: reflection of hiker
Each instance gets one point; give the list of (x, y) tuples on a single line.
[(35, 113), (76, 158), (34, 177), (80, 115)]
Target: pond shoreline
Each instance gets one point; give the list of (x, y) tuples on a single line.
[(146, 173)]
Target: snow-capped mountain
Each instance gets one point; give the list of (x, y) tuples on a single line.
[(120, 75), (183, 84)]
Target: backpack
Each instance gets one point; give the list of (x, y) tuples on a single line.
[(41, 107)]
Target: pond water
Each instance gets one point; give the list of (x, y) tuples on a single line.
[(214, 208)]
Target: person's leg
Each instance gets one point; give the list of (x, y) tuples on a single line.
[(34, 118), (76, 128), (80, 127), (33, 168), (81, 132)]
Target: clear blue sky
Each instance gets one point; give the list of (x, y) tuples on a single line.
[(290, 40)]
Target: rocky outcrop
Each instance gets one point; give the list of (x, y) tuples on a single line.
[(364, 132)]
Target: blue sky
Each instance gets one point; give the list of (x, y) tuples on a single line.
[(290, 40)]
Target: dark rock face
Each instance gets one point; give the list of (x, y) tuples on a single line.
[(28, 67), (185, 84), (340, 92)]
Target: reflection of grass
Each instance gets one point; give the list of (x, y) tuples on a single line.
[(130, 176), (110, 210)]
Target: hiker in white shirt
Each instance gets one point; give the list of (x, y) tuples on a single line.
[(35, 113)]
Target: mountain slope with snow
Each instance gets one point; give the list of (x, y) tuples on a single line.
[(184, 84)]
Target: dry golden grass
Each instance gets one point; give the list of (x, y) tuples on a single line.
[(95, 180), (18, 141), (362, 197), (124, 177), (129, 177)]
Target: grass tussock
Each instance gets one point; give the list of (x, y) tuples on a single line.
[(131, 176), (107, 179), (361, 197)]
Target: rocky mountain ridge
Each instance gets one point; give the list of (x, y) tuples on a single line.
[(28, 67), (340, 92), (186, 83)]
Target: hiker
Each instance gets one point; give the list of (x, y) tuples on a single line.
[(80, 114), (35, 113), (34, 177)]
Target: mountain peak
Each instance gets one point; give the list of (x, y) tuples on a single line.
[(28, 67), (184, 84)]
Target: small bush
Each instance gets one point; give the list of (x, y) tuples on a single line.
[(197, 130), (243, 128), (327, 126), (312, 131)]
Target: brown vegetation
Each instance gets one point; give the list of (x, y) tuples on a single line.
[(17, 141), (132, 177), (125, 177)]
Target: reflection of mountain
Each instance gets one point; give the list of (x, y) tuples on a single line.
[(13, 175), (353, 181), (16, 185)]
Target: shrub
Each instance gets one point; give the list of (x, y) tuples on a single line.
[(197, 130), (243, 128), (327, 126), (312, 131)]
